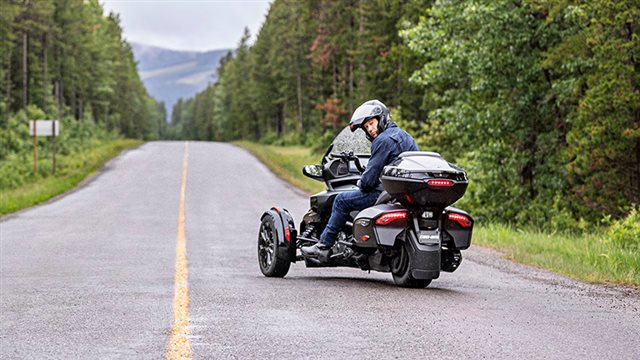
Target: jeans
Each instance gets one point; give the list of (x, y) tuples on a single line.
[(345, 203)]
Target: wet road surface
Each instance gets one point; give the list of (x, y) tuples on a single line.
[(93, 275)]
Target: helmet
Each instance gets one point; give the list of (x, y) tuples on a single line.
[(367, 111)]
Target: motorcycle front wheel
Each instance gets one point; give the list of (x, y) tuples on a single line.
[(271, 264)]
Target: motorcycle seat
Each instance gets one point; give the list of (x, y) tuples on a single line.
[(382, 199)]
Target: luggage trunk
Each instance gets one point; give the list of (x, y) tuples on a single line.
[(424, 179)]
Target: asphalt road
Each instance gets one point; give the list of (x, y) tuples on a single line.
[(92, 275)]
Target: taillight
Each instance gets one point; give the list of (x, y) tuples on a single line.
[(440, 182), (287, 234), (462, 220), (388, 218)]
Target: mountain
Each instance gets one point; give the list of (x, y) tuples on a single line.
[(172, 74)]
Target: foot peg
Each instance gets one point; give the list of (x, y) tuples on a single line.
[(362, 261)]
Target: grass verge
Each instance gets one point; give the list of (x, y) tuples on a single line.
[(588, 257), (76, 167), (287, 162)]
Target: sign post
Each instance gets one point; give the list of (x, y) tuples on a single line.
[(35, 149), (57, 91), (43, 128)]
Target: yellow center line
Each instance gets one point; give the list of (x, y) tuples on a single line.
[(180, 344)]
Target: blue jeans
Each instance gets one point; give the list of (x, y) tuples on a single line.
[(345, 203)]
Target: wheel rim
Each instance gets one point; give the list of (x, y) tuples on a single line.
[(400, 262), (266, 245)]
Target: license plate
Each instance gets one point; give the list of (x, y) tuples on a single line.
[(429, 237), (427, 215)]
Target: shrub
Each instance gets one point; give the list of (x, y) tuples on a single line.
[(625, 233)]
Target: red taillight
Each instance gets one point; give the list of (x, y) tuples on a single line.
[(440, 182), (287, 234), (387, 218), (463, 220)]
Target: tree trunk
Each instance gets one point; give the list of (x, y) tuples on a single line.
[(635, 178), (8, 80), (636, 186), (44, 80), (361, 65), (284, 117), (280, 121), (72, 98), (334, 81), (529, 169), (61, 99), (299, 88), (350, 87), (398, 99), (25, 81)]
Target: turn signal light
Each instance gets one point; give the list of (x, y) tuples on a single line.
[(364, 237), (388, 218), (463, 220), (440, 182)]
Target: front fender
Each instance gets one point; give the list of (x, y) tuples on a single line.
[(285, 230)]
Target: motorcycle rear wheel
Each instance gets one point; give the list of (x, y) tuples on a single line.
[(401, 270), (271, 264)]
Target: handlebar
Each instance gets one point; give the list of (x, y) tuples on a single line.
[(350, 156)]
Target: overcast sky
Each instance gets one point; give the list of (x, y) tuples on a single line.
[(188, 24)]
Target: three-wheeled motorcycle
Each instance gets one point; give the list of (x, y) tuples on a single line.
[(412, 231)]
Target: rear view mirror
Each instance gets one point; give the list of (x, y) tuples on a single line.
[(313, 171)]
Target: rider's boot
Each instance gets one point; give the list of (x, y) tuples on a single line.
[(318, 250)]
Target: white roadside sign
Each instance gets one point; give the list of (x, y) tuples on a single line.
[(44, 127)]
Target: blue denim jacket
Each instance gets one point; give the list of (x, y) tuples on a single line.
[(384, 149)]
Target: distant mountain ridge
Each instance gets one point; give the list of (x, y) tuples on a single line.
[(172, 74)]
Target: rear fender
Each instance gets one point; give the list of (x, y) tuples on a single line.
[(285, 230)]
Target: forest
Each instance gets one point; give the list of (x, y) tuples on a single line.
[(64, 59), (538, 100)]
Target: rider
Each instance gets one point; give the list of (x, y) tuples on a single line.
[(388, 141)]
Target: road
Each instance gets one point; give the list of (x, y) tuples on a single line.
[(93, 274)]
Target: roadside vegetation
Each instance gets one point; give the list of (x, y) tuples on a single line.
[(537, 100), (71, 170), (66, 60), (82, 148), (287, 162), (609, 253)]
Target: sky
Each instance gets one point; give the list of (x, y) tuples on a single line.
[(196, 25)]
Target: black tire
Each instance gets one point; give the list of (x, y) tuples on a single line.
[(401, 270), (271, 264)]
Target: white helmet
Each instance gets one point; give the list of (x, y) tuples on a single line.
[(367, 111)]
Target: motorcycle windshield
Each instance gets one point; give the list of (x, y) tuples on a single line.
[(356, 142)]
